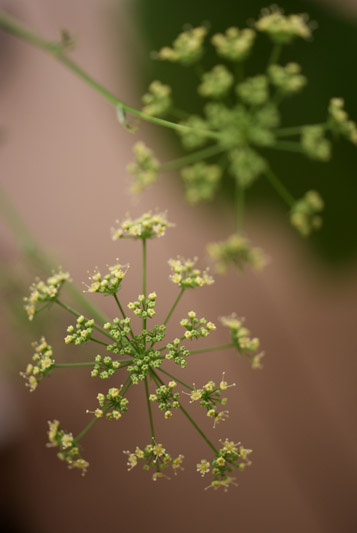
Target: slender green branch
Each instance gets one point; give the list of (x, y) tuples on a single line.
[(279, 187), (119, 305), (124, 316), (198, 429), (127, 383), (288, 146), (189, 417), (144, 276), (70, 365), (57, 50), (238, 207), (75, 313), (295, 130), (174, 305), (149, 409), (275, 54), (210, 151), (212, 348), (86, 429), (175, 379), (98, 342)]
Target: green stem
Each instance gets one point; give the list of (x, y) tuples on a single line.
[(189, 418), (198, 429), (98, 342), (144, 276), (86, 429), (75, 313), (176, 379), (295, 130), (239, 207), (210, 151), (174, 305), (69, 365), (275, 54), (149, 409), (14, 27), (127, 383), (289, 146), (212, 348), (124, 315), (279, 187), (119, 305)]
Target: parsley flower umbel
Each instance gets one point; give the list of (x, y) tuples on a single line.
[(136, 351)]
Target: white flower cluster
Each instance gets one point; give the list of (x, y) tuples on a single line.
[(69, 451), (242, 341), (186, 275), (283, 29), (339, 121), (201, 181), (288, 79), (216, 82), (148, 226), (157, 101), (154, 456), (81, 333), (236, 251), (229, 456), (109, 283), (305, 214), (234, 44), (144, 168), (42, 365), (41, 291), (187, 47)]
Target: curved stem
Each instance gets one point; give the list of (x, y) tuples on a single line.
[(14, 27)]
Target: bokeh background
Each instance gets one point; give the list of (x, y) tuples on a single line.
[(63, 159)]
